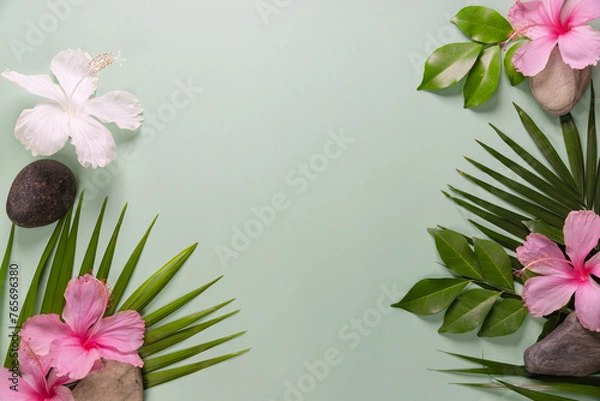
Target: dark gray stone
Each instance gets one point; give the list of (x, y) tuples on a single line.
[(117, 381), (558, 87), (570, 350), (41, 193)]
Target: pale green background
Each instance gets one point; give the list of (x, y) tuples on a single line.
[(271, 92)]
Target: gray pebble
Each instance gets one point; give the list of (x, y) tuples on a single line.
[(558, 87), (570, 350), (41, 193)]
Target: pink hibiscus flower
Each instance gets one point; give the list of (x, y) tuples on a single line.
[(561, 277), (38, 382), (549, 23), (73, 347)]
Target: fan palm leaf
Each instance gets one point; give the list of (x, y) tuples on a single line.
[(57, 262), (545, 190)]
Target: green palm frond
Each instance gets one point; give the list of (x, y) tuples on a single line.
[(5, 264), (534, 387), (544, 190), (57, 266)]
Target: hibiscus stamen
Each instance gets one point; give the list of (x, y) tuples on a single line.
[(47, 391), (102, 61), (94, 66), (519, 32), (538, 262)]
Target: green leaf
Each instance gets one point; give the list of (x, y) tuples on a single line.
[(558, 211), (483, 24), (514, 76), (534, 395), (548, 151), (591, 156), (164, 376), (505, 318), (159, 333), (162, 313), (146, 292), (431, 296), (5, 263), (523, 386), (564, 188), (520, 203), (551, 324), (491, 218), (161, 362), (175, 338), (532, 178), (507, 242), (456, 253), (107, 258), (494, 263), (448, 65), (87, 266), (128, 270), (468, 311), (578, 388), (68, 259), (53, 297), (541, 227), (508, 215), (500, 368), (483, 79), (574, 150), (582, 385), (28, 308)]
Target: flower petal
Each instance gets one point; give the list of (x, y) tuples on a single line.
[(61, 393), (119, 107), (40, 85), (587, 304), (33, 368), (70, 358), (542, 256), (86, 300), (580, 46), (545, 294), (6, 394), (592, 265), (578, 12), (93, 142), (582, 232), (131, 358), (118, 337), (43, 129), (54, 380), (532, 57), (550, 12), (523, 14), (72, 71), (41, 330)]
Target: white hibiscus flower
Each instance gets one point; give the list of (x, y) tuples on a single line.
[(70, 112)]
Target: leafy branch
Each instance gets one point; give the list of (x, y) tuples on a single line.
[(479, 60), (495, 306)]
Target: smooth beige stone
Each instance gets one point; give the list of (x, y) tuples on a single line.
[(558, 87), (116, 382)]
